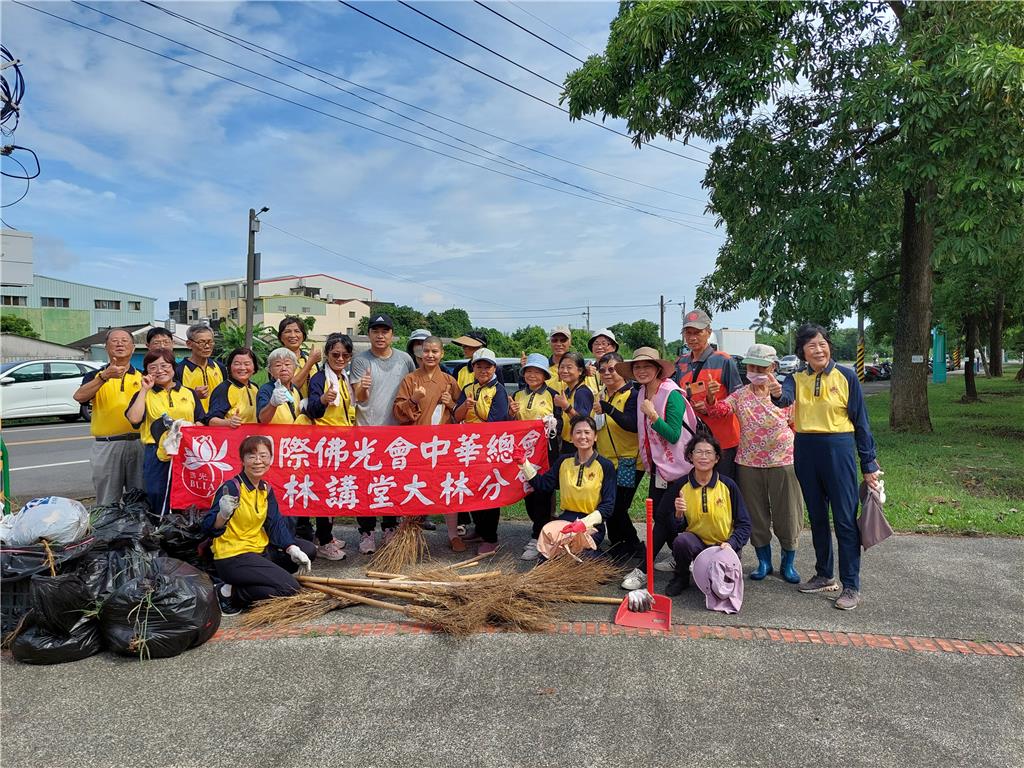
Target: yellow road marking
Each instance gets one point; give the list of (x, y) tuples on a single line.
[(52, 440)]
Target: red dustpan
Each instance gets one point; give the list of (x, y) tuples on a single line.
[(660, 616)]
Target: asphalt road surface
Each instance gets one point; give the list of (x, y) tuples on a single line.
[(49, 459)]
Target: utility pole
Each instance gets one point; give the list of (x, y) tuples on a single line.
[(588, 317), (250, 273), (661, 308)]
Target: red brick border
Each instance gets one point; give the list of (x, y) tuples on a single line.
[(900, 643)]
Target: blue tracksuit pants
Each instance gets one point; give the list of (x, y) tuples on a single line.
[(826, 466), (155, 476)]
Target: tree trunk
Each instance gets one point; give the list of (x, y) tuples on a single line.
[(970, 381), (908, 411), (995, 336)]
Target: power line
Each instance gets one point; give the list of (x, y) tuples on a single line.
[(507, 161), (554, 29), (479, 44), (256, 48), (529, 32), (341, 119), (488, 75)]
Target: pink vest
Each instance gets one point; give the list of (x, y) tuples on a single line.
[(668, 457)]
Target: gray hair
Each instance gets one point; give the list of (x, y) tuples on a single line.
[(111, 331), (434, 340), (196, 329), (282, 353)]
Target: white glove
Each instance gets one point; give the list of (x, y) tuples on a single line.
[(228, 505), (550, 425), (280, 395), (599, 420), (172, 439), (299, 558), (593, 520), (529, 471), (639, 601)]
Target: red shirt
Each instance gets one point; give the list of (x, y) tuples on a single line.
[(720, 367)]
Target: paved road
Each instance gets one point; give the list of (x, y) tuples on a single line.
[(49, 459), (353, 689)]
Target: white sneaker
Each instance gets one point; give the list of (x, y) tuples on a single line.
[(530, 551), (368, 543), (635, 579), (668, 565)]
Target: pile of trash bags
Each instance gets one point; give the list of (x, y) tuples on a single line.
[(111, 578)]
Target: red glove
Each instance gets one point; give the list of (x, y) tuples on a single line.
[(519, 455), (576, 526)]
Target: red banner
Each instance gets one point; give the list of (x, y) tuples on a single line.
[(353, 471)]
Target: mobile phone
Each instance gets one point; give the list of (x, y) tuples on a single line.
[(696, 389)]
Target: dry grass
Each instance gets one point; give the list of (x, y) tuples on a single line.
[(408, 547), (299, 608)]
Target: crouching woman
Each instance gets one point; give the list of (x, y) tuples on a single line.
[(710, 510), (586, 482), (254, 549)]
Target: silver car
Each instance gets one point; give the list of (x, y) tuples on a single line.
[(789, 365), (33, 388)]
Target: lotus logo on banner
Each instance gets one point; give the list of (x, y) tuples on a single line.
[(204, 466)]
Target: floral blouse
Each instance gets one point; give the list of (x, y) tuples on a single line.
[(766, 439)]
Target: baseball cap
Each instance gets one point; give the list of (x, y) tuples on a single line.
[(483, 354), (607, 334), (760, 354), (382, 319), (561, 329), (697, 318)]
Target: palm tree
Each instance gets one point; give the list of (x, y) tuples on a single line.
[(232, 335)]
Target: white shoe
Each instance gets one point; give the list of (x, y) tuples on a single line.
[(668, 565), (530, 552), (367, 543), (635, 579)]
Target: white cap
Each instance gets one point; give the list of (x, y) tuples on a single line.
[(484, 354)]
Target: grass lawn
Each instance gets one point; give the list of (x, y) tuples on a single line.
[(966, 477)]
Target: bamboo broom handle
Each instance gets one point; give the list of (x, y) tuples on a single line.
[(362, 599), (594, 599), (385, 583), (473, 560)]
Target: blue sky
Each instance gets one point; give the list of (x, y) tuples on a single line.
[(149, 168)]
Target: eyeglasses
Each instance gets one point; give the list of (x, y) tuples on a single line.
[(608, 371), (340, 356), (704, 454), (203, 342), (264, 458)]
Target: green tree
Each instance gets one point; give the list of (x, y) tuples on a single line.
[(639, 333), (451, 323), (19, 326), (406, 318), (844, 128), (231, 335)]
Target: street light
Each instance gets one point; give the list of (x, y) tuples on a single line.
[(250, 272)]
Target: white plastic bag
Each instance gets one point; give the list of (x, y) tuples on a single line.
[(54, 518)]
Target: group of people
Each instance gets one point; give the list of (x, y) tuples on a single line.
[(728, 461)]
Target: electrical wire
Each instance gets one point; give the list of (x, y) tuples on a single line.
[(496, 79), (349, 122), (7, 225), (479, 44), (26, 177), (10, 92), (554, 29), (489, 154), (259, 49), (7, 152), (529, 32)]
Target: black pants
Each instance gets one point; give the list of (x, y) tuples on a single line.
[(727, 464), (486, 522), (625, 544), (255, 576), (665, 524), (369, 524), (538, 507), (324, 529)]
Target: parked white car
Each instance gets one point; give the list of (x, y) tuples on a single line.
[(789, 365), (33, 388)]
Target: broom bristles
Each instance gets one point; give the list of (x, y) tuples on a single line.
[(290, 609), (407, 547)]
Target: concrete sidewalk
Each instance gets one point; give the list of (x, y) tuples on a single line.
[(358, 688)]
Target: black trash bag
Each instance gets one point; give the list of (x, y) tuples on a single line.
[(18, 563), (59, 602), (181, 533), (36, 645), (172, 608), (122, 525), (104, 572)]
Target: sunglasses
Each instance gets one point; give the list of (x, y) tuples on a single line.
[(607, 371)]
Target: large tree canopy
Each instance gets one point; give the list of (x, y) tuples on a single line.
[(855, 138)]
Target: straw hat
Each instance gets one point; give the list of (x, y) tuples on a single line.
[(645, 354)]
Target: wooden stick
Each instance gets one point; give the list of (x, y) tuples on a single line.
[(385, 583), (594, 599), (385, 575), (473, 560), (356, 598)]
